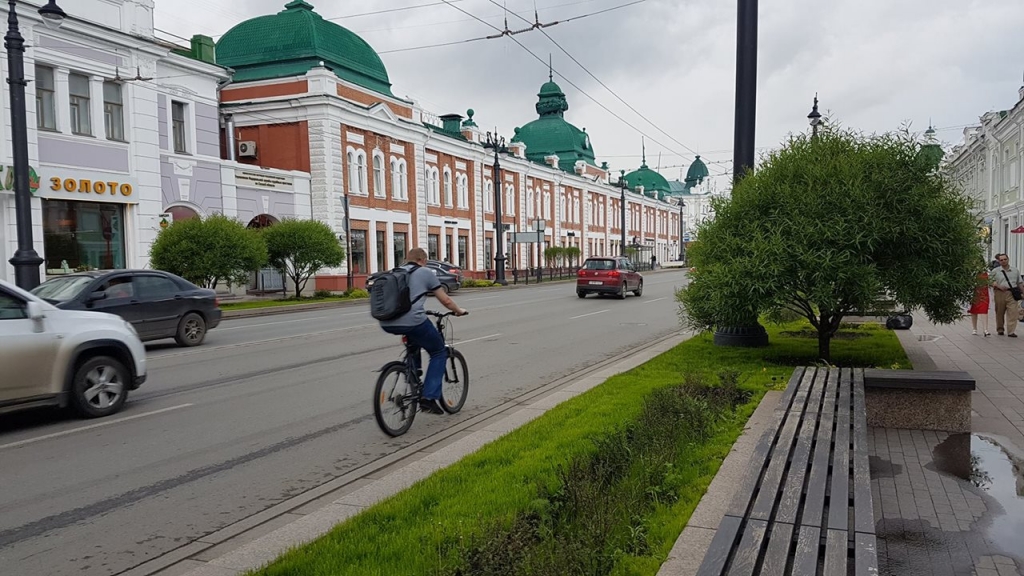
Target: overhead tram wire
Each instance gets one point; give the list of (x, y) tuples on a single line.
[(563, 77), (537, 24)]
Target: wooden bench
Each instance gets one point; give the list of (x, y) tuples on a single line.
[(919, 399), (804, 507)]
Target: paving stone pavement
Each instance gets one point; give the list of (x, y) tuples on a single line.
[(953, 504)]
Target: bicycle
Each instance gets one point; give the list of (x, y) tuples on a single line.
[(402, 398)]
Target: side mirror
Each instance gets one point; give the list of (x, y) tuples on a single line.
[(35, 311), (97, 295)]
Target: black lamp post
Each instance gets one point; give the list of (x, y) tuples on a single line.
[(26, 260), (622, 209), (682, 231), (498, 144), (746, 88), (814, 118)]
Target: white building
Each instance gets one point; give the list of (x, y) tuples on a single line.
[(124, 135), (989, 164)]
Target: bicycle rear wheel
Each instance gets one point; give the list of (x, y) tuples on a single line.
[(394, 400), (455, 386)]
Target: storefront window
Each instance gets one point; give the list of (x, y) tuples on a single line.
[(400, 249), (358, 251), (489, 252), (82, 236), (463, 241), (448, 252), (432, 246), (382, 251)]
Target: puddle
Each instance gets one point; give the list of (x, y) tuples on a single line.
[(927, 338), (997, 476)]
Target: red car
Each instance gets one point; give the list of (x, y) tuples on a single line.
[(608, 276)]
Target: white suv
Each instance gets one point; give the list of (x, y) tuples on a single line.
[(54, 357)]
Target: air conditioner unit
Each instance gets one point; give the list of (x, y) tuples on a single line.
[(247, 149)]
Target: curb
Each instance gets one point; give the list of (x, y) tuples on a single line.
[(344, 497), (291, 308)]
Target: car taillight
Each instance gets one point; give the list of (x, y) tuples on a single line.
[(614, 273), (581, 272), (405, 339)]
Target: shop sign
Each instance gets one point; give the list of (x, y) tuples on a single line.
[(79, 185), (264, 181), (7, 179)]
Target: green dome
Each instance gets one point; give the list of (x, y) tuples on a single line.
[(697, 173), (551, 134), (650, 180), (295, 40)]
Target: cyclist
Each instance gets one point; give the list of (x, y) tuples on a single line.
[(420, 332)]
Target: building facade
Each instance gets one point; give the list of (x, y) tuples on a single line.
[(989, 163), (308, 95), (124, 137)]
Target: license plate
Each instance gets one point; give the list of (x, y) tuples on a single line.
[(596, 283)]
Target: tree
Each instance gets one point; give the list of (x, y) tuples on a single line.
[(572, 254), (827, 224), (208, 251), (301, 248), (553, 255)]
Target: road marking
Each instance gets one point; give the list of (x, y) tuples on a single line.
[(285, 321), (91, 426), (461, 342), (591, 314), (655, 300)]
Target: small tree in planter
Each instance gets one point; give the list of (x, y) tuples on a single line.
[(572, 254), (301, 248), (823, 226), (209, 251), (553, 255)]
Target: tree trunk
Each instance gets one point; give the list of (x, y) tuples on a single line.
[(824, 344)]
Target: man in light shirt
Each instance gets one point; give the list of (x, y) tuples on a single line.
[(1007, 308)]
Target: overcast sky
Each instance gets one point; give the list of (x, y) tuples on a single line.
[(874, 63)]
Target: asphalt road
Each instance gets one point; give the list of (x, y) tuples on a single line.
[(268, 408)]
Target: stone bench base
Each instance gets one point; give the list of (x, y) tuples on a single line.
[(945, 410)]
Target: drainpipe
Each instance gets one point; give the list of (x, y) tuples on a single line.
[(229, 128)]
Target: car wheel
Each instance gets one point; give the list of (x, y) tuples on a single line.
[(99, 387), (191, 330), (639, 289), (622, 292), (581, 293)]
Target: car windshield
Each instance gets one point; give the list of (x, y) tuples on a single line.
[(62, 289), (599, 265)]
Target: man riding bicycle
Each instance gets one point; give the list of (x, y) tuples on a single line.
[(419, 331)]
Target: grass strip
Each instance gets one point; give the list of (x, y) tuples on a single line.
[(425, 529)]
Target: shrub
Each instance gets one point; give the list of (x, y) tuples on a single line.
[(207, 251), (473, 283), (357, 293), (322, 293)]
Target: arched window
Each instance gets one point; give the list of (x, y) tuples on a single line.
[(361, 168), (448, 188), (463, 188), (378, 176), (403, 185), (576, 210), (510, 200), (488, 196), (547, 205), (435, 188), (353, 173), (396, 180), (529, 202)]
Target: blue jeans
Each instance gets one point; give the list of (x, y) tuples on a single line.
[(427, 337)]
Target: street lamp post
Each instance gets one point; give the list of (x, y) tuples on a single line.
[(498, 144), (746, 88), (682, 232), (26, 260), (622, 209), (814, 118)]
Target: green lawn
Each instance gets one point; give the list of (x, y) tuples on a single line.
[(430, 528), (254, 304)]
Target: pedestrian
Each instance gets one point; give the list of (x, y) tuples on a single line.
[(980, 305), (1007, 284)]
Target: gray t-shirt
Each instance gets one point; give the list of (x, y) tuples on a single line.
[(999, 280), (422, 281)]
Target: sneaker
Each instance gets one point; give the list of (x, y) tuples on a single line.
[(974, 332), (987, 334), (1012, 335), (431, 406)]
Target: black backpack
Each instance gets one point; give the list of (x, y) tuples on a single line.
[(389, 295)]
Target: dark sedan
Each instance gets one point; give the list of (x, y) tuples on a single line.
[(158, 304), (449, 282)]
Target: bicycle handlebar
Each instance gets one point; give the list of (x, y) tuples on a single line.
[(440, 315)]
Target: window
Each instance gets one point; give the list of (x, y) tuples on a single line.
[(547, 205), (488, 196), (463, 188), (529, 202), (361, 171), (353, 174), (155, 287), (463, 256), (358, 251), (78, 89), (46, 109), (432, 240), (576, 210), (113, 111), (489, 251), (382, 251), (82, 236), (403, 186), (510, 200), (178, 127), (396, 180), (12, 308), (119, 287), (448, 252), (378, 176), (400, 249), (448, 188), (434, 190)]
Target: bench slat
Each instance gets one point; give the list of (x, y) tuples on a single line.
[(836, 549), (814, 506), (863, 512), (779, 545), (789, 506), (721, 546), (787, 395), (805, 560), (839, 501), (745, 560), (866, 556), (768, 492)]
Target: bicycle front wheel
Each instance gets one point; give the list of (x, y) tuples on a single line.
[(394, 400), (455, 387)]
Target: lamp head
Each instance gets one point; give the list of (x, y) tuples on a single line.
[(53, 15)]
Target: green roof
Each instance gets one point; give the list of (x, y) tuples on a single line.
[(649, 179), (697, 173), (551, 134), (295, 40)]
